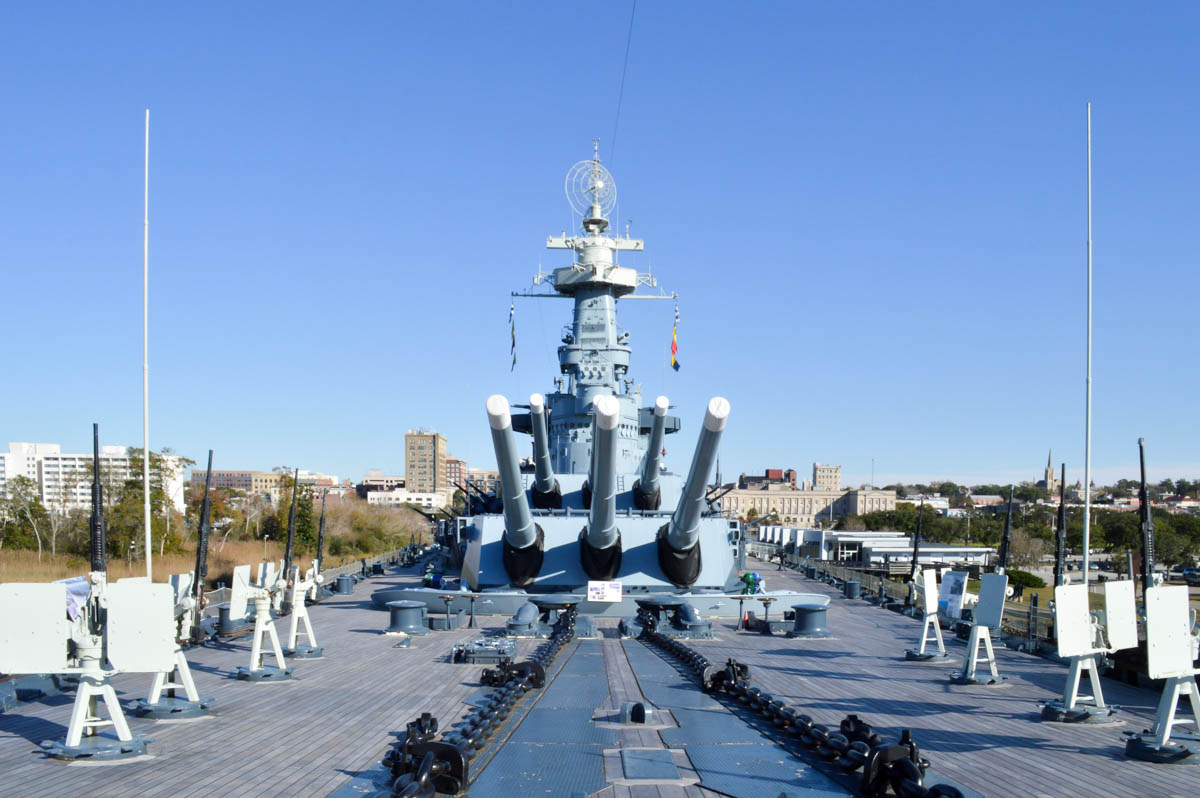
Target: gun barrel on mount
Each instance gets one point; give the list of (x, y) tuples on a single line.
[(916, 554), (290, 548), (1147, 523), (546, 494), (200, 575), (321, 533), (678, 552), (1006, 538), (600, 544), (97, 533), (647, 494), (1060, 537), (523, 540)]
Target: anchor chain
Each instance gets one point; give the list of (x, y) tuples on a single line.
[(851, 747), (424, 766)]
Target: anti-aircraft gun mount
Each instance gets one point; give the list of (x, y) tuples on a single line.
[(125, 627), (601, 503)]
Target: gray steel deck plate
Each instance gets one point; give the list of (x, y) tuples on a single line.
[(533, 769), (576, 691), (759, 770), (710, 727), (562, 726), (649, 764)]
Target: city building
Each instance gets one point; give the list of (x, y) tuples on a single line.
[(822, 500), (377, 480), (1050, 480), (486, 481), (64, 480), (456, 471), (400, 496), (256, 483), (425, 462)]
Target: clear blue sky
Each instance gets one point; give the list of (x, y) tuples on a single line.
[(874, 215)]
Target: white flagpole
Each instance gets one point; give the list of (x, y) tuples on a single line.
[(1087, 440), (146, 356)]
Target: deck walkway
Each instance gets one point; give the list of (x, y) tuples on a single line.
[(334, 721)]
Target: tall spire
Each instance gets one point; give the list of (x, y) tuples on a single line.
[(1050, 459)]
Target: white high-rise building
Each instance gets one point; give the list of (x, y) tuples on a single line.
[(65, 480)]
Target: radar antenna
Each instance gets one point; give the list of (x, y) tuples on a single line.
[(591, 191)]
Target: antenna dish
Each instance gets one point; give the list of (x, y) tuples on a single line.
[(589, 185)]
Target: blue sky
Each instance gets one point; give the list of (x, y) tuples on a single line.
[(874, 215)]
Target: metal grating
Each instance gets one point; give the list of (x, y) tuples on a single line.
[(649, 764), (759, 770), (532, 769), (562, 726), (710, 727)]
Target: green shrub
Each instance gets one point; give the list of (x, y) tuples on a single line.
[(1024, 579)]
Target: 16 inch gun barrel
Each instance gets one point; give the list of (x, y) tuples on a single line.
[(647, 494), (678, 552), (546, 493), (522, 538)]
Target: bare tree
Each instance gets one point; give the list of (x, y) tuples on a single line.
[(23, 496)]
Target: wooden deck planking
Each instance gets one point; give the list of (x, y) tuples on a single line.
[(337, 718), (988, 738)]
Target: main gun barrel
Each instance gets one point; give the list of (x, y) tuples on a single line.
[(647, 494), (600, 547), (678, 552), (546, 494), (523, 540)]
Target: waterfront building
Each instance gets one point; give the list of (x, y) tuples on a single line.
[(822, 500), (400, 496)]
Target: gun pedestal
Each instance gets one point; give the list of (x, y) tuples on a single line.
[(170, 706), (928, 593), (264, 626), (989, 612), (310, 650), (1084, 642)]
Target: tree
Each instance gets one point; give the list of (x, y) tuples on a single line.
[(1026, 550), (27, 504)]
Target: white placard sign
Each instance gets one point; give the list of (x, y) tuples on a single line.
[(604, 591), (1120, 612), (1073, 620), (950, 599), (1168, 629), (990, 609), (33, 628)]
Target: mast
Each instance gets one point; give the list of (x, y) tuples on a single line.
[(1087, 423), (146, 356)]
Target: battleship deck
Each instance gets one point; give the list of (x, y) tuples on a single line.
[(312, 735)]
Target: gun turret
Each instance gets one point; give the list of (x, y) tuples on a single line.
[(600, 540), (1147, 523), (1006, 539), (647, 495), (97, 530), (1060, 537), (321, 534), (678, 552), (523, 540), (546, 494), (200, 575)]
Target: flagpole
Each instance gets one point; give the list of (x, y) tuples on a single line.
[(1087, 439), (146, 355)]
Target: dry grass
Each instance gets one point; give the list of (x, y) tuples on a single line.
[(19, 565)]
